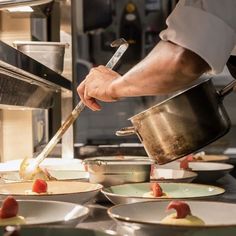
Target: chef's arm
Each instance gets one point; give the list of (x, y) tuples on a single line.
[(167, 68)]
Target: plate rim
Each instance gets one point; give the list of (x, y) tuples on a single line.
[(230, 166), (99, 187), (85, 208)]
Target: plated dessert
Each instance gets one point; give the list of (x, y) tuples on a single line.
[(137, 192), (189, 218), (183, 215), (66, 191)]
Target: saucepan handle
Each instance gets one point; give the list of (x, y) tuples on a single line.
[(227, 89), (126, 131)]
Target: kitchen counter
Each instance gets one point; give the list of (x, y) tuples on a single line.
[(99, 219)]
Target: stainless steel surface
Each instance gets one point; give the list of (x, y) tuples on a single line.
[(115, 170), (22, 89), (25, 82), (182, 124), (19, 3), (26, 169), (50, 54)]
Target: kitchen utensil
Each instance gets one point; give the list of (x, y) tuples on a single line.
[(37, 212), (49, 163), (114, 170), (28, 170), (65, 191), (183, 123), (143, 219), (137, 192), (170, 175)]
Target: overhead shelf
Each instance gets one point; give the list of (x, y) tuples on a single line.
[(25, 82), (18, 3)]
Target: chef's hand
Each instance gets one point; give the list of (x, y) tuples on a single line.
[(97, 85)]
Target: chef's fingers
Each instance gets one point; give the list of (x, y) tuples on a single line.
[(101, 69), (91, 102)]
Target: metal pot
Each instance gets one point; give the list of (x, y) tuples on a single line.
[(183, 123), (115, 170)]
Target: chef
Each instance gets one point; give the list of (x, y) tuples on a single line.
[(200, 37)]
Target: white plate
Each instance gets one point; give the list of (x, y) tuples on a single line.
[(143, 218), (207, 171), (66, 191), (210, 171), (49, 163), (170, 175), (51, 212)]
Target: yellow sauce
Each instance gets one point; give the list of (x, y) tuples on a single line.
[(150, 194), (17, 220), (188, 220)]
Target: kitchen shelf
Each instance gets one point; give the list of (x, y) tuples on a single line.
[(18, 3), (25, 82)]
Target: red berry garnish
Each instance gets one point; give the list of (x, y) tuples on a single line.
[(9, 208), (182, 208), (40, 186), (156, 189)]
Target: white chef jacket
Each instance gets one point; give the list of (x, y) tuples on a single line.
[(206, 27)]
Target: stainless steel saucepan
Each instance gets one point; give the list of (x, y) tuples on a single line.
[(183, 123)]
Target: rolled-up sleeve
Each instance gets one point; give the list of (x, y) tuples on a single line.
[(200, 30)]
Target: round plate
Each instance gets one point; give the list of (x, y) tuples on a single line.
[(49, 163), (51, 212), (170, 175), (127, 193), (67, 191), (210, 171), (52, 231), (147, 215), (207, 171)]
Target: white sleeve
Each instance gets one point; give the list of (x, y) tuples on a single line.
[(206, 27)]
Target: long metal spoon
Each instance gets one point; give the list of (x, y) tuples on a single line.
[(29, 169)]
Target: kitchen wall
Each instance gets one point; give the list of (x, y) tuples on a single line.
[(16, 126)]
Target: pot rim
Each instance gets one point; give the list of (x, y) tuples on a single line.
[(149, 110)]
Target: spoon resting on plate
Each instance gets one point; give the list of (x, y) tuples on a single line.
[(29, 169)]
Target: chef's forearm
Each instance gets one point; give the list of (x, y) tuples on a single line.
[(167, 68)]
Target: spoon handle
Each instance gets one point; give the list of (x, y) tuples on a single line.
[(76, 112)]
